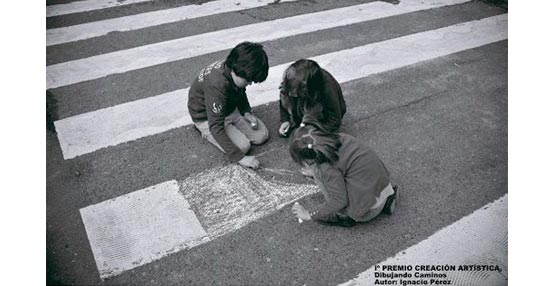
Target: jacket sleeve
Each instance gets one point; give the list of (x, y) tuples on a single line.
[(328, 116), (333, 182), (333, 115), (215, 102), (284, 104), (243, 103)]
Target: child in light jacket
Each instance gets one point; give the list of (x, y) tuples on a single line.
[(353, 179)]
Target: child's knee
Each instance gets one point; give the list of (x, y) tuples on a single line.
[(244, 146), (261, 135)]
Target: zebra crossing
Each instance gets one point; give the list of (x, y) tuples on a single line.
[(490, 223), (118, 62), (142, 20), (151, 218), (84, 6), (88, 132)]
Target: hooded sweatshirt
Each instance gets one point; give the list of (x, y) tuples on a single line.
[(213, 96)]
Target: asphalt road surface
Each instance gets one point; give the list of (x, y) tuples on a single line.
[(136, 197)]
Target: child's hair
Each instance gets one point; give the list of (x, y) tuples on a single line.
[(249, 61), (305, 79), (311, 144)]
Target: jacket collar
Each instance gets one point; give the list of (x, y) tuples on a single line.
[(228, 75)]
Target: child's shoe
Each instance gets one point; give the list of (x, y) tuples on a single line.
[(340, 220), (345, 221), (390, 204)]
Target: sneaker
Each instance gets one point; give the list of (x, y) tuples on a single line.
[(390, 204), (345, 221), (340, 220)]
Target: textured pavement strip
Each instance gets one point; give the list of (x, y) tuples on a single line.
[(94, 67), (148, 224), (480, 238), (149, 19), (84, 6), (140, 227), (87, 132)]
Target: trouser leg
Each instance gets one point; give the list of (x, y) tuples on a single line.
[(238, 130), (255, 136)]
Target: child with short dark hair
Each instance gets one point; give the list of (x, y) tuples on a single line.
[(353, 179), (309, 94), (219, 106)]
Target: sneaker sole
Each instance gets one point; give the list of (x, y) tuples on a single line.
[(390, 205)]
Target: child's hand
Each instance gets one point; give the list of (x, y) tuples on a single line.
[(249, 162), (301, 212), (252, 120), (284, 128)]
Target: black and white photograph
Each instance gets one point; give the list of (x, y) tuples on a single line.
[(277, 142)]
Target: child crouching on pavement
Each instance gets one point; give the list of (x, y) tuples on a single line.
[(219, 106), (309, 94), (353, 179)]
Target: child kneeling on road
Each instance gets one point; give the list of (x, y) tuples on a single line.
[(219, 106), (353, 179), (309, 94)]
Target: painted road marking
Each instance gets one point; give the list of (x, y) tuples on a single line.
[(99, 66), (146, 225), (478, 239), (122, 123), (149, 19), (88, 132), (85, 6), (140, 227)]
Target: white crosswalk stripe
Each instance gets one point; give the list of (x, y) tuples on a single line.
[(172, 226), (146, 225), (481, 236), (149, 19), (91, 131), (85, 6), (76, 71)]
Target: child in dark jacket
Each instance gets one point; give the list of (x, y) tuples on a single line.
[(219, 106), (353, 179), (310, 95)]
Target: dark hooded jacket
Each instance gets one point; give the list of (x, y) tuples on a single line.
[(213, 96), (326, 115)]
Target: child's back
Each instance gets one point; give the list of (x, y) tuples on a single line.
[(311, 95), (364, 172)]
